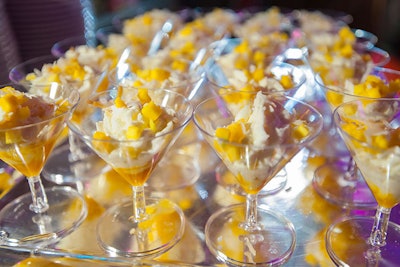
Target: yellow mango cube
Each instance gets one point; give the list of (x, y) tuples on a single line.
[(300, 131), (232, 152), (104, 147), (335, 99), (143, 96), (119, 103), (259, 58), (179, 65), (134, 132), (236, 132), (12, 137), (258, 74), (380, 141), (151, 111), (222, 133), (241, 63), (286, 81), (8, 103), (243, 47), (159, 74), (346, 51)]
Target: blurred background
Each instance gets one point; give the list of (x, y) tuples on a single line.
[(29, 28)]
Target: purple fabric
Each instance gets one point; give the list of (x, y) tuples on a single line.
[(9, 55), (38, 24)]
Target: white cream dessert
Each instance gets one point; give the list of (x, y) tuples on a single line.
[(315, 21), (130, 129), (370, 86), (248, 68), (252, 146), (66, 71), (334, 56), (263, 22), (376, 147), (98, 58)]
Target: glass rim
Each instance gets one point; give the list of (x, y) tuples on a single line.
[(337, 116), (334, 88), (187, 114), (277, 94), (46, 121)]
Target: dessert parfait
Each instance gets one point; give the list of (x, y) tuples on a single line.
[(131, 129), (31, 126)]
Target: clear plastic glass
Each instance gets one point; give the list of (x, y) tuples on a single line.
[(248, 234), (44, 215), (140, 227), (370, 129)]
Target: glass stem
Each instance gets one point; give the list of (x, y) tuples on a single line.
[(379, 229), (251, 223), (39, 198), (139, 204)]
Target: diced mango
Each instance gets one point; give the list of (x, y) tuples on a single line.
[(242, 48), (334, 98), (8, 103), (241, 63), (286, 81), (300, 131), (380, 141), (179, 65), (232, 152), (346, 51), (147, 19), (104, 147), (258, 74), (222, 133), (134, 132), (237, 133), (259, 58), (151, 111), (119, 103), (143, 96), (159, 74)]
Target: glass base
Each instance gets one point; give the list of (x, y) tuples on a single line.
[(332, 183), (60, 169), (176, 171), (347, 243), (19, 226), (118, 235), (271, 244), (228, 181)]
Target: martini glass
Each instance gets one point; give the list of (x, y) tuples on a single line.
[(142, 226), (180, 168), (341, 182), (42, 216), (220, 83), (370, 129), (247, 234), (71, 161)]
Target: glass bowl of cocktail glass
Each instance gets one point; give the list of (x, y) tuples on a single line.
[(32, 122), (370, 129), (255, 138), (70, 154), (180, 168), (340, 181), (61, 47), (132, 129), (277, 77)]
